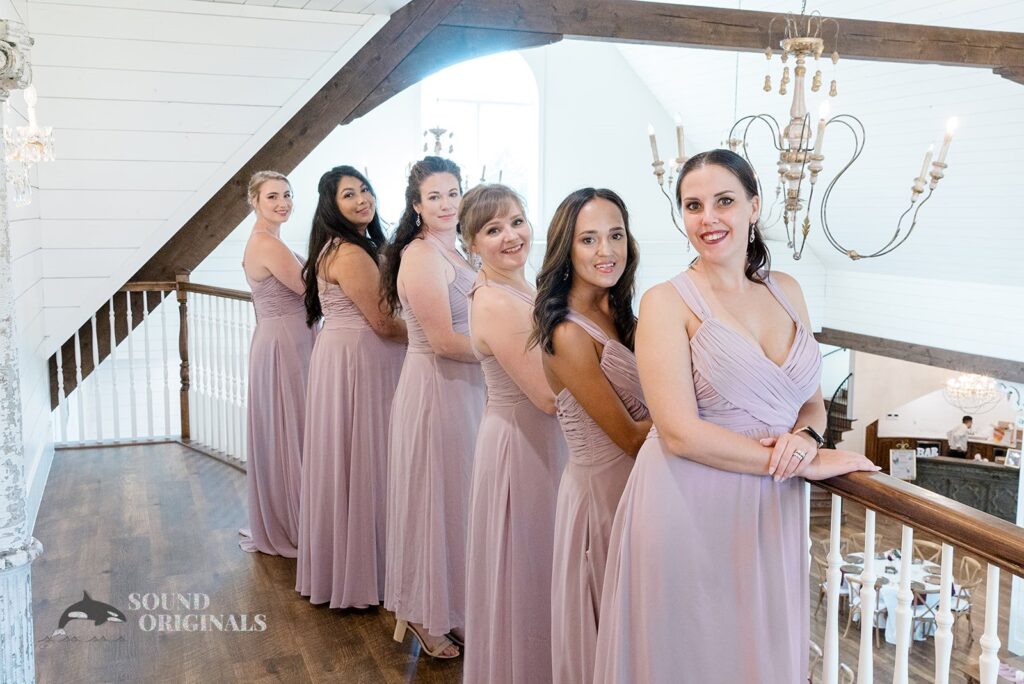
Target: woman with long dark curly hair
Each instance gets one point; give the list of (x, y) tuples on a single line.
[(352, 378), (435, 415), (584, 325)]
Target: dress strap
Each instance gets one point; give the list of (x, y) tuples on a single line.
[(456, 264), (511, 290), (781, 296), (592, 329), (691, 295)]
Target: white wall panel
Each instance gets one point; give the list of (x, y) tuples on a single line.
[(89, 234), (87, 204), (83, 144), (122, 115), (125, 175)]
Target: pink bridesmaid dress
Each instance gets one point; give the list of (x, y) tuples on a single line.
[(434, 420), (707, 569), (353, 375), (587, 497), (278, 370), (520, 454)]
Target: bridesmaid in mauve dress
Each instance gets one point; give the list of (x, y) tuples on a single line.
[(585, 324), (352, 377), (278, 369), (707, 566), (520, 454), (435, 415)]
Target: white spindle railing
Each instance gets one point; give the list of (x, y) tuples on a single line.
[(213, 362), (999, 543)]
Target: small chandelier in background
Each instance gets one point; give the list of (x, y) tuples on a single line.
[(670, 169), (25, 147), (438, 133), (801, 157), (973, 393)]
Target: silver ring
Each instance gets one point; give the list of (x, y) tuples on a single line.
[(800, 453)]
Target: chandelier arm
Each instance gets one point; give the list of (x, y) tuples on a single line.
[(913, 223), (672, 210), (859, 142)]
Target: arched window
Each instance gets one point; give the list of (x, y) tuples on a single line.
[(490, 105)]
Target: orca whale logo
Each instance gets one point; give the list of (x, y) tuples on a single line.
[(89, 609)]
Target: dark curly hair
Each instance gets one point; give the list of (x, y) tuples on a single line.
[(407, 230)]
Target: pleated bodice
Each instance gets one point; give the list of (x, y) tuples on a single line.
[(458, 291), (273, 299), (502, 390), (750, 395), (588, 443)]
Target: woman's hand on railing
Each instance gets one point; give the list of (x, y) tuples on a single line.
[(835, 462), (784, 462)]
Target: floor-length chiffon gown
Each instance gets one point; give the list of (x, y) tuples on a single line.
[(352, 378), (433, 426), (519, 457), (588, 495), (707, 570), (278, 370)]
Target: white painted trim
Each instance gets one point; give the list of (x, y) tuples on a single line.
[(36, 476), (224, 9)]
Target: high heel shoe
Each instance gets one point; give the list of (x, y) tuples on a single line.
[(402, 625)]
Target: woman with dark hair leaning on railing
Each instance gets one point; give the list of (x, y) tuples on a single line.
[(584, 324), (352, 378), (707, 569)]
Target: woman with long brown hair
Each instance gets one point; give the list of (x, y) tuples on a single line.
[(435, 414), (584, 325)]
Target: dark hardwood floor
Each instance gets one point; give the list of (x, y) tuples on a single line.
[(128, 524)]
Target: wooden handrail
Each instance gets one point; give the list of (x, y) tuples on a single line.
[(225, 292), (985, 536)]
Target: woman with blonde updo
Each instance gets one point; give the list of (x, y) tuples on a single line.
[(278, 369)]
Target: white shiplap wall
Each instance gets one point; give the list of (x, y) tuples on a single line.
[(156, 103), (27, 263)]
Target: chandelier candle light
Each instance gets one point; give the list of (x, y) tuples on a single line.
[(800, 158), (673, 167), (26, 146)]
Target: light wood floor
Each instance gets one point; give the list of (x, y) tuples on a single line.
[(163, 519)]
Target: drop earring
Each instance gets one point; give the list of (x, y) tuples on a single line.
[(418, 220), (565, 273), (751, 233)]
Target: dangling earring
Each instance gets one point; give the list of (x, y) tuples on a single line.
[(417, 220), (565, 273), (476, 261), (752, 228)]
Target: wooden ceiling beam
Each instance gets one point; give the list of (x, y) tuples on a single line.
[(743, 30)]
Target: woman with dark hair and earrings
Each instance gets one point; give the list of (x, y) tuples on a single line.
[(278, 370), (584, 324), (435, 415), (707, 565), (352, 378), (520, 454)]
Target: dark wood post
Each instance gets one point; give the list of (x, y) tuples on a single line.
[(183, 352)]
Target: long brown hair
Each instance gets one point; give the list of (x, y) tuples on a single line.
[(556, 274), (407, 229), (759, 259)]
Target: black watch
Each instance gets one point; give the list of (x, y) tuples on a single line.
[(813, 434)]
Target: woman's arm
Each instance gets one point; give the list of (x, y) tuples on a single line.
[(501, 326), (576, 365), (663, 357), (356, 273), (423, 277), (270, 254)]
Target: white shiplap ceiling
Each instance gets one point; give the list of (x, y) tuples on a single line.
[(357, 6), (156, 104), (971, 229)]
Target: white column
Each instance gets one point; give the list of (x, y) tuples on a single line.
[(17, 547)]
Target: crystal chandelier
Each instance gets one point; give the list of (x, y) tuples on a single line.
[(25, 147), (800, 155), (973, 393)]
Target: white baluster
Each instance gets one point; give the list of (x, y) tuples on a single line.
[(79, 404), (904, 611), (865, 667), (229, 377), (196, 360), (62, 400), (113, 370), (830, 664), (225, 373), (237, 314), (164, 306), (95, 380), (207, 373), (218, 359), (151, 429), (250, 330), (944, 618), (133, 401), (989, 661), (193, 373)]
